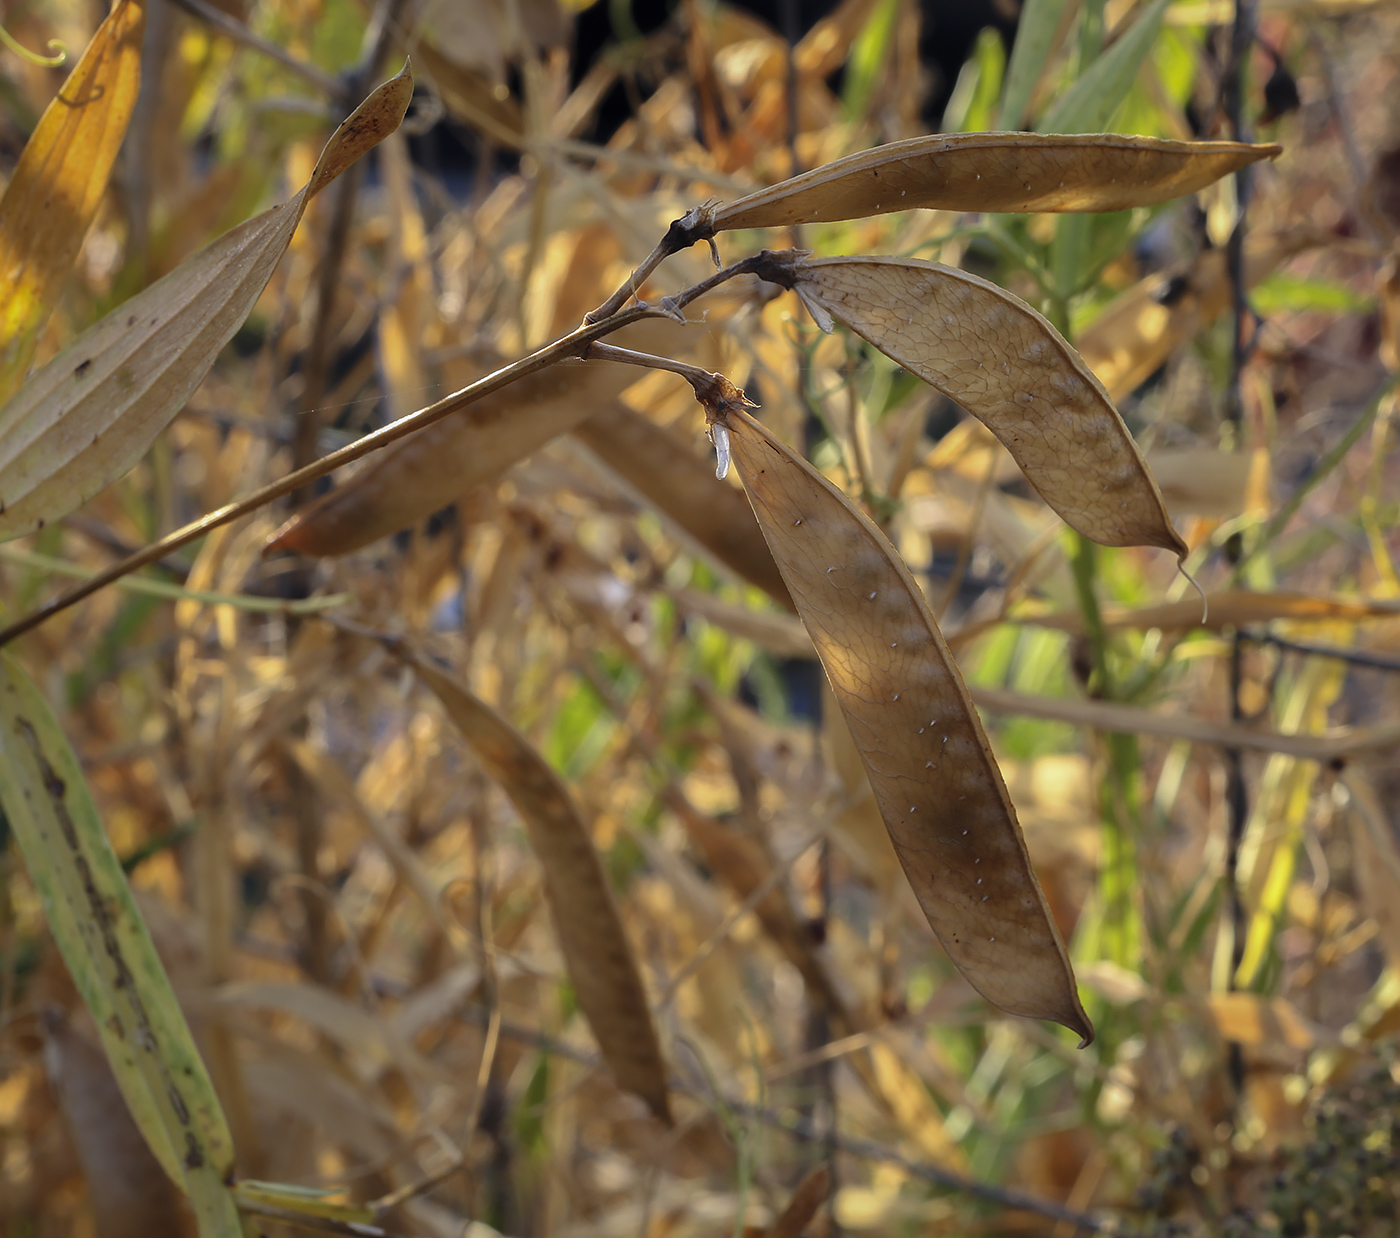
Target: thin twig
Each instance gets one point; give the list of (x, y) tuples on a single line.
[(567, 346), (1242, 36), (1356, 657), (240, 33), (1007, 1197), (695, 225)]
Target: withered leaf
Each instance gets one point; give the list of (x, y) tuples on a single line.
[(1005, 364), (939, 790), (809, 1195), (670, 476), (91, 413), (474, 447), (59, 181), (1003, 172), (586, 920)]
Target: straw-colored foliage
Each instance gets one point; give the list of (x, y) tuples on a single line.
[(528, 709)]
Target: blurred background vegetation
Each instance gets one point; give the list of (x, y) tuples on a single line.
[(348, 907)]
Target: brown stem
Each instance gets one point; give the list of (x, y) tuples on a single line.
[(697, 224), (570, 345)]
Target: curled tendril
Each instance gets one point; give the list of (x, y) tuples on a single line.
[(58, 52)]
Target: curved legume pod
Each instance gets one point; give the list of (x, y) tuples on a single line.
[(938, 786), (1005, 364), (994, 172), (592, 939)]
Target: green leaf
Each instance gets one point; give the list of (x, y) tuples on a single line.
[(90, 414), (869, 55), (1087, 106), (1282, 294), (104, 941), (1035, 33)]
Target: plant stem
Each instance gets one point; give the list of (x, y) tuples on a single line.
[(567, 346)]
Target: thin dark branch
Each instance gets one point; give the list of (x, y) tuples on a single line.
[(808, 1132), (1242, 36), (1356, 657)]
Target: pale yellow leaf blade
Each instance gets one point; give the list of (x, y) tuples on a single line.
[(939, 790), (1002, 172), (587, 923), (103, 939), (59, 181), (1005, 364), (91, 413)]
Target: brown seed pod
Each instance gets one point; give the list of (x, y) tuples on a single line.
[(938, 786), (1005, 364), (591, 936), (993, 172)]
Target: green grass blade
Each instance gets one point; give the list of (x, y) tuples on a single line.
[(104, 941), (1087, 106), (1034, 35)]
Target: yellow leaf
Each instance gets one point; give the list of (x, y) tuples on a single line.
[(91, 413), (59, 182)]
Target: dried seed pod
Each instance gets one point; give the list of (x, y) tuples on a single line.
[(938, 786), (1005, 364), (591, 936), (993, 172)]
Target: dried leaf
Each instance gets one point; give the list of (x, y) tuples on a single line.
[(1004, 172), (91, 413), (586, 920), (1262, 1023), (426, 471), (810, 1195), (104, 941), (1011, 369), (59, 181), (928, 760), (682, 486)]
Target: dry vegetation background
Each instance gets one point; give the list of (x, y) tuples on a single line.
[(348, 903)]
